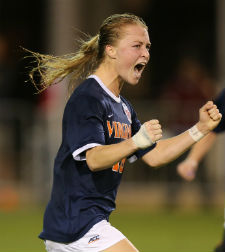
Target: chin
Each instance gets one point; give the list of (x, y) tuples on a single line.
[(134, 82)]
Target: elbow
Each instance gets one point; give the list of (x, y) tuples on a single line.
[(157, 158), (91, 161), (154, 162), (160, 163), (155, 165), (92, 165)]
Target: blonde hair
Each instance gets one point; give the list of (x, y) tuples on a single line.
[(53, 69)]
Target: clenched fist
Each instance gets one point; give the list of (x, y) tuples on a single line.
[(209, 117), (149, 133), (187, 169)]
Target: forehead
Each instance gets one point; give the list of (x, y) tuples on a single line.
[(135, 32)]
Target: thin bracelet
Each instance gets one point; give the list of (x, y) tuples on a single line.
[(195, 133)]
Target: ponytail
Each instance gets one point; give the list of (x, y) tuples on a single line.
[(82, 63), (53, 69)]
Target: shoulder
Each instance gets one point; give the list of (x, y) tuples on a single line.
[(87, 91), (88, 87), (86, 97)]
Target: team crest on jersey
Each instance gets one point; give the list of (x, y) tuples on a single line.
[(127, 112)]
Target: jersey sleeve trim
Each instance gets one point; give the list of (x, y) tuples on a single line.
[(77, 154), (140, 153), (132, 159)]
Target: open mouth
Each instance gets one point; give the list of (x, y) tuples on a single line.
[(139, 67)]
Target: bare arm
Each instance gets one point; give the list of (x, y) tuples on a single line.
[(199, 150), (169, 149), (187, 169), (105, 156)]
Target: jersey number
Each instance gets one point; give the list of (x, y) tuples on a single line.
[(118, 167)]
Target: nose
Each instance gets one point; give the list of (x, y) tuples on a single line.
[(145, 53)]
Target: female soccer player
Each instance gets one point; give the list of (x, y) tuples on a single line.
[(101, 131)]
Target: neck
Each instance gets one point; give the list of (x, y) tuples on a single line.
[(110, 78)]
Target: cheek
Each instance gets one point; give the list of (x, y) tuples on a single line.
[(127, 57)]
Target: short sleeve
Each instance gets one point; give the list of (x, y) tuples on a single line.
[(83, 125)]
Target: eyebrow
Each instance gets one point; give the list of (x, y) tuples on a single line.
[(148, 44)]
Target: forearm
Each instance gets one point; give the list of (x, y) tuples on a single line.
[(199, 150), (187, 169), (105, 156), (168, 149)]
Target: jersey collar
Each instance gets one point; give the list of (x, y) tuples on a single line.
[(103, 86)]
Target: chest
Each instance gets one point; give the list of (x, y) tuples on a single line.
[(117, 123)]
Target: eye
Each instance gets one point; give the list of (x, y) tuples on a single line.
[(137, 46), (148, 47)]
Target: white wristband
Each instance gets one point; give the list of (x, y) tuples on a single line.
[(142, 139), (195, 133)]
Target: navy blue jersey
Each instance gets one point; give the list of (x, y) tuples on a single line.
[(220, 102), (80, 198)]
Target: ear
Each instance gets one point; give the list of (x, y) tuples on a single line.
[(110, 51)]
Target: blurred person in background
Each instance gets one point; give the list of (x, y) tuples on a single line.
[(100, 131), (188, 88), (188, 168)]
